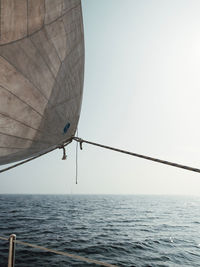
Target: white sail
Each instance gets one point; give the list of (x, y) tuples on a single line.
[(41, 75)]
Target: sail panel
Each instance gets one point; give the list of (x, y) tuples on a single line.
[(41, 76)]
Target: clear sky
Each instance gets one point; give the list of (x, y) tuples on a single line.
[(141, 93)]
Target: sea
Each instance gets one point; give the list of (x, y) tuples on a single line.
[(123, 230)]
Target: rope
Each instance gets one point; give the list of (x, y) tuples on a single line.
[(77, 160), (80, 258), (81, 141), (35, 157), (4, 238), (64, 153)]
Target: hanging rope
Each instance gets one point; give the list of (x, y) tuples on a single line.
[(64, 153), (80, 258), (77, 159), (4, 238), (177, 165)]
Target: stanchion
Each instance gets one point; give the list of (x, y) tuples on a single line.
[(11, 255)]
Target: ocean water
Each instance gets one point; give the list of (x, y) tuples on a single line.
[(121, 230)]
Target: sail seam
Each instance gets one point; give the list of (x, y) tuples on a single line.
[(63, 14), (24, 75), (50, 72), (24, 138), (6, 89), (33, 64), (21, 148), (7, 116), (48, 102), (43, 26), (43, 57), (53, 147), (57, 19), (65, 101), (46, 33), (57, 104)]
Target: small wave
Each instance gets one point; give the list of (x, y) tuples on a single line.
[(101, 228), (196, 222)]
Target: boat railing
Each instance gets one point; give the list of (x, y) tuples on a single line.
[(12, 248)]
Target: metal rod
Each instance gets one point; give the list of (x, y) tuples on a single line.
[(11, 255)]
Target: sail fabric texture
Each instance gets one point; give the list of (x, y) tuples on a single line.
[(41, 75)]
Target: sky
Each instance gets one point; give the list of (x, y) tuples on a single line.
[(141, 93)]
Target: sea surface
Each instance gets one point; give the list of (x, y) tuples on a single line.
[(118, 229)]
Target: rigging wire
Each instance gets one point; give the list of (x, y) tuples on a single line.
[(35, 157), (177, 165), (81, 141)]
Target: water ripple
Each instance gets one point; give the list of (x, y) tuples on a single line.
[(123, 230)]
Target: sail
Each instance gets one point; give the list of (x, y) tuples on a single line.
[(41, 75)]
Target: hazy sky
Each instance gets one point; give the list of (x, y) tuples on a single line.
[(141, 93)]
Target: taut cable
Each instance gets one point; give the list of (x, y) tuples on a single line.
[(81, 141), (177, 165)]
